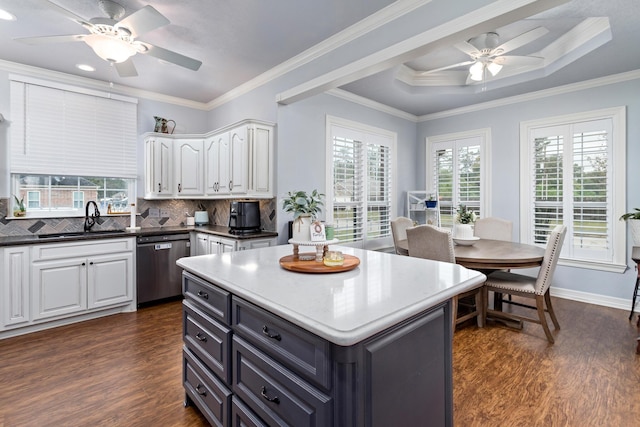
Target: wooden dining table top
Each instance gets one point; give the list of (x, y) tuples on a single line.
[(486, 254)]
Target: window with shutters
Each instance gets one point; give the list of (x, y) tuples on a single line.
[(360, 184), (70, 145), (573, 174), (458, 170)]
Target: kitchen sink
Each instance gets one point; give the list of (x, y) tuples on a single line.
[(75, 234)]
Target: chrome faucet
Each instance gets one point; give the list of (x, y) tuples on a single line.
[(90, 220)]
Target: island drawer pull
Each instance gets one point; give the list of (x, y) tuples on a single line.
[(201, 337), (203, 295), (275, 336), (201, 390), (263, 392)]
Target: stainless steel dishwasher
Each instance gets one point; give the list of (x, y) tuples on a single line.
[(157, 274)]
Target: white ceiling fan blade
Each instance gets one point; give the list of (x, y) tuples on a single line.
[(51, 39), (435, 70), (78, 19), (521, 40), (142, 21), (126, 68), (173, 57), (467, 48), (518, 60)]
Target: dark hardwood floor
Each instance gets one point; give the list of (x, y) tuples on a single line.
[(125, 370)]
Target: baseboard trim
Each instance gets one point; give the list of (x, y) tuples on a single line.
[(589, 298)]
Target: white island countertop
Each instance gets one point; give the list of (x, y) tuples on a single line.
[(343, 308)]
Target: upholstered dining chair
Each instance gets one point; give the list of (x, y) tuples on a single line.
[(429, 242), (493, 228), (536, 288), (398, 231)]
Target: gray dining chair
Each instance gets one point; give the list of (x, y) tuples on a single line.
[(429, 242), (398, 231), (536, 288), (493, 228)]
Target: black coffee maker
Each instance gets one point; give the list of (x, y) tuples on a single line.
[(244, 217)]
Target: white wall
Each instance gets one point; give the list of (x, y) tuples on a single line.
[(601, 287)]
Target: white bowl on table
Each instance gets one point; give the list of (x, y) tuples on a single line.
[(465, 242)]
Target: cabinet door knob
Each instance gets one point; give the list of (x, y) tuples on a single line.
[(201, 390), (275, 336), (201, 337), (203, 295), (274, 399), (84, 263)]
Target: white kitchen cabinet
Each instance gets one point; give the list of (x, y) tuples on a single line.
[(15, 285), (256, 243), (158, 167), (189, 167), (207, 244), (260, 160), (227, 162), (77, 277)]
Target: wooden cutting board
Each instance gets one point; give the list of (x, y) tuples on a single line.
[(292, 263)]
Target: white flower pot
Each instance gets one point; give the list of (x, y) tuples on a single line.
[(634, 226), (301, 229), (463, 231)]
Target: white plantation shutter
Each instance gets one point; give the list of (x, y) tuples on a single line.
[(361, 185), (59, 131)]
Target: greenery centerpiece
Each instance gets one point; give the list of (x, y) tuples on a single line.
[(305, 208), (19, 209), (463, 228)]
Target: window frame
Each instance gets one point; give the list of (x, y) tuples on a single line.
[(617, 115), (377, 134), (484, 134)]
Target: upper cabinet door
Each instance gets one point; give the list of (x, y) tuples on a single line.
[(238, 160), (217, 164), (189, 167), (261, 160)]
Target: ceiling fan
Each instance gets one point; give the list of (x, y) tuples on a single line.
[(114, 39), (488, 55)]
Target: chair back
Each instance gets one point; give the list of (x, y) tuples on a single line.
[(550, 260), (493, 228), (429, 242), (398, 229)]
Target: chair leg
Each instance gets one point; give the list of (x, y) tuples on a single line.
[(480, 307), (552, 314), (485, 304), (543, 317), (454, 313)]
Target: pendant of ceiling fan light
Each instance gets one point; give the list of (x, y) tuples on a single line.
[(494, 68), (476, 71), (109, 48)]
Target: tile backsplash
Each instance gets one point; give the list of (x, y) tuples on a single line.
[(174, 212)]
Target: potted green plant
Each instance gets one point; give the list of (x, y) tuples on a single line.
[(19, 209), (305, 208), (633, 219), (464, 219), (431, 202)]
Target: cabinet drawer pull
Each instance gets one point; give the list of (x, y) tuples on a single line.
[(159, 187), (274, 399), (275, 336), (201, 390), (203, 295), (179, 188), (201, 337)]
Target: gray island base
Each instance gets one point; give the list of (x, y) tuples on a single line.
[(367, 347)]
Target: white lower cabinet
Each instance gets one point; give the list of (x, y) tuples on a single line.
[(57, 281), (207, 244)]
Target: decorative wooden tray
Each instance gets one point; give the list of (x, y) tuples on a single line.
[(293, 263)]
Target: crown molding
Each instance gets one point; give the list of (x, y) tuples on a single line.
[(374, 105), (31, 71), (560, 90)]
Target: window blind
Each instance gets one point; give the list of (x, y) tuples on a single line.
[(63, 132)]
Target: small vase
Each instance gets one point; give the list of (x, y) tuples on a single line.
[(301, 228), (463, 231), (634, 226)]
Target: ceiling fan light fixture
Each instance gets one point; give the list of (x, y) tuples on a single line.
[(110, 48), (476, 71), (494, 68)]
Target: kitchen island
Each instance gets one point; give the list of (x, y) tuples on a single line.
[(371, 346)]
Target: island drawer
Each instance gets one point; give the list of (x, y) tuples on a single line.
[(303, 352), (277, 395), (209, 394), (207, 339), (242, 416), (215, 301)]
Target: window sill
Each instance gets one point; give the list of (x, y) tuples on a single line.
[(594, 265)]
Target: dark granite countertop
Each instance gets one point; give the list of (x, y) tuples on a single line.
[(66, 236)]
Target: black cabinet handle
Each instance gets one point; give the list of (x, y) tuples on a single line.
[(201, 337), (275, 336), (201, 390), (274, 399), (159, 187), (84, 263), (179, 188), (203, 295)]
